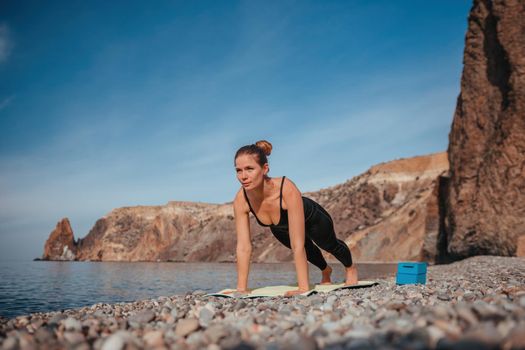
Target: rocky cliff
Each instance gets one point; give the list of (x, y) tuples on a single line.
[(389, 213), (485, 208), (61, 244)]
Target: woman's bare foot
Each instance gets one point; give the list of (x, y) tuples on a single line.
[(327, 273), (291, 293), (351, 275)]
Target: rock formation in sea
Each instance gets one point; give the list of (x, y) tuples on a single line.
[(485, 200), (61, 244), (390, 213)]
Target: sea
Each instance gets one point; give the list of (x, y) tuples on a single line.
[(41, 286)]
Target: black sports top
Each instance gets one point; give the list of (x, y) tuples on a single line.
[(308, 204)]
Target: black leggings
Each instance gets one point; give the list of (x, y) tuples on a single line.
[(319, 230)]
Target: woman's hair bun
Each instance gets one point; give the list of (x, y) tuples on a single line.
[(265, 146)]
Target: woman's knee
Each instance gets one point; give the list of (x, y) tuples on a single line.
[(333, 246), (326, 240)]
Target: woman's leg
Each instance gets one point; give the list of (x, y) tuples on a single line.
[(313, 253), (321, 231)]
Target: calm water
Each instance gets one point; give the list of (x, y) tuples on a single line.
[(36, 286)]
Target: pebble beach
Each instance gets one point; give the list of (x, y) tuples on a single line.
[(476, 303)]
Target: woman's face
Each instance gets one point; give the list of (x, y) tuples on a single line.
[(249, 173)]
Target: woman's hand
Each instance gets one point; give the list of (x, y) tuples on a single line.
[(291, 293), (240, 291)]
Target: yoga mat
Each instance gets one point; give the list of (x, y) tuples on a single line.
[(276, 291)]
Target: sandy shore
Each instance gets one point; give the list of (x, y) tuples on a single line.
[(477, 303)]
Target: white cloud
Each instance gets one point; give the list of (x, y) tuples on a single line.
[(6, 102), (5, 43)]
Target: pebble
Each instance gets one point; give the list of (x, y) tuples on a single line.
[(465, 314), (216, 332), (516, 338), (74, 337), (10, 344), (116, 341), (186, 326), (443, 296), (241, 304), (487, 311), (206, 314), (143, 316), (286, 325), (316, 300), (154, 339), (71, 324), (357, 333), (484, 333), (522, 301), (331, 299), (55, 319), (43, 335), (99, 313)]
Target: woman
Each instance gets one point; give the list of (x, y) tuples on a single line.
[(297, 222)]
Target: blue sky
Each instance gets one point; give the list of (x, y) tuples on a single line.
[(122, 103)]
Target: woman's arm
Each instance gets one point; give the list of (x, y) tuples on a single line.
[(244, 245), (294, 203)]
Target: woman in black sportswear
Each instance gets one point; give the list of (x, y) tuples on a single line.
[(298, 222)]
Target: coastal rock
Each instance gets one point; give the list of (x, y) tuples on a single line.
[(389, 213), (61, 243), (486, 192), (379, 223), (161, 233)]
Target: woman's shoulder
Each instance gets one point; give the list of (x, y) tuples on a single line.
[(240, 201), (289, 187), (287, 182)]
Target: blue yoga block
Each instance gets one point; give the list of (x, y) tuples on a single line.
[(403, 278), (412, 268), (411, 272)]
